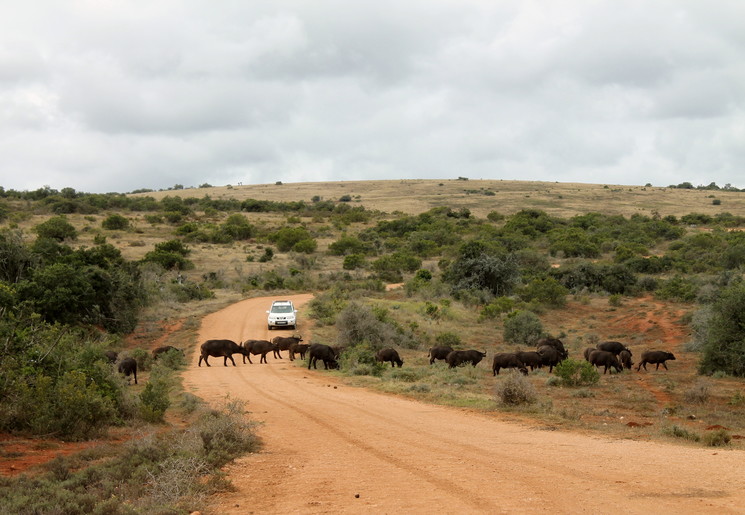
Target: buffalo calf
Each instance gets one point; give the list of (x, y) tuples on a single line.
[(656, 357)]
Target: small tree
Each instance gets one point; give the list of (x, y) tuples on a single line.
[(56, 228), (115, 222), (724, 335), (522, 327)]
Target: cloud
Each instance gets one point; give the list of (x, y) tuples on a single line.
[(113, 96)]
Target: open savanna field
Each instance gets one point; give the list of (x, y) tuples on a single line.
[(677, 405), (482, 196)]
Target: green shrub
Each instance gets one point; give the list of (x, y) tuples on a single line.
[(448, 339), (576, 373), (56, 228), (522, 327), (115, 222), (680, 432), (717, 438), (515, 389), (360, 360), (353, 261), (723, 333)]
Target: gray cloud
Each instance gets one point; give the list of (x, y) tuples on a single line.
[(114, 96)]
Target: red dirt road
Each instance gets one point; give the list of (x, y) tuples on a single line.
[(326, 443)]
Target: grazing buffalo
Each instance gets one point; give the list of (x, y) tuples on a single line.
[(625, 357), (605, 359), (391, 355), (458, 357), (530, 359), (614, 347), (507, 360), (658, 357), (111, 356), (256, 347), (128, 366), (298, 348), (323, 352), (283, 343), (161, 350), (550, 356), (439, 353), (217, 348), (555, 343)]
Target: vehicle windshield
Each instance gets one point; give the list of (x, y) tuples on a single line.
[(282, 309)]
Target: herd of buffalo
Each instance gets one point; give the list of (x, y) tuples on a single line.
[(549, 353)]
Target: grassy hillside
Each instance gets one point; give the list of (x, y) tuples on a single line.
[(482, 196)]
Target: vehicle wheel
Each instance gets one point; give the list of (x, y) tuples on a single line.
[(269, 327)]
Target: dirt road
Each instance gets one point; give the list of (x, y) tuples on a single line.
[(330, 448)]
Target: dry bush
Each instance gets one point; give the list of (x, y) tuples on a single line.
[(515, 389), (699, 393)]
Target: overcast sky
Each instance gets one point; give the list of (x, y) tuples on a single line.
[(113, 96)]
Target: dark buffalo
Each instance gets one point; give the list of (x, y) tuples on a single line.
[(391, 355), (550, 356), (657, 357), (614, 347), (507, 360), (625, 358), (258, 347), (128, 366), (555, 343), (283, 343), (217, 348), (458, 357), (605, 359), (439, 353), (323, 352), (587, 352), (530, 359), (111, 356), (338, 349), (298, 348), (161, 350)]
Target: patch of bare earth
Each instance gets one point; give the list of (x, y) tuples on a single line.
[(331, 448)]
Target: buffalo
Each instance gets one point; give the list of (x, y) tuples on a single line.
[(625, 357), (298, 348), (323, 352), (458, 357), (128, 366), (161, 350), (658, 357), (530, 359), (606, 359), (391, 355), (217, 348), (507, 360), (587, 352), (551, 356), (111, 356), (283, 343), (439, 353), (257, 347), (614, 347), (555, 343)]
